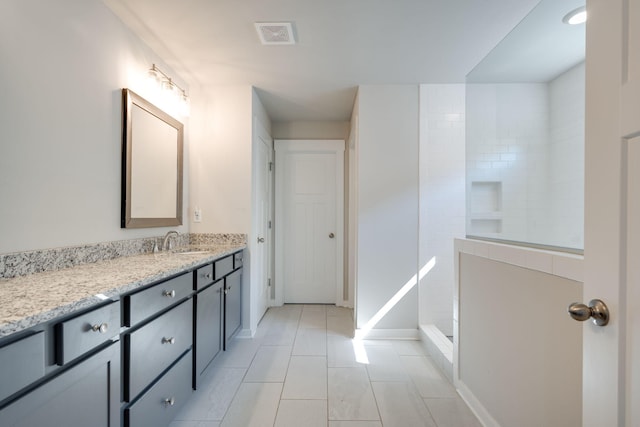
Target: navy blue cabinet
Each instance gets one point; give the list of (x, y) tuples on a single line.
[(87, 394)]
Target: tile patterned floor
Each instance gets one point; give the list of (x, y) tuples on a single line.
[(302, 369)]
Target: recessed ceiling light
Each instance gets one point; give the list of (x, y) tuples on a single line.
[(576, 16), (275, 32)]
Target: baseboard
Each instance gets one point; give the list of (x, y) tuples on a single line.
[(476, 407), (388, 334), (244, 334), (439, 348)]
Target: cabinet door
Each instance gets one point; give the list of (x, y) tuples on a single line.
[(87, 395), (232, 304), (208, 326)]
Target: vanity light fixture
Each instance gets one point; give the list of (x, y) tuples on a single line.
[(170, 87), (576, 16)]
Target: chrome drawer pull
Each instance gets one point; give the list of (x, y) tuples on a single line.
[(170, 294), (170, 401), (166, 340), (207, 276), (102, 328)]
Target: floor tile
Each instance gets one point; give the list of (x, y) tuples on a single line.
[(333, 311), (400, 405), (384, 364), (310, 342), (302, 413), (239, 354), (451, 413), (215, 393), (269, 364), (303, 369), (428, 379), (341, 352), (313, 316), (408, 348), (340, 325), (195, 424), (350, 395), (255, 405), (306, 378), (355, 424)]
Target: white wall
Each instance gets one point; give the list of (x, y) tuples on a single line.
[(387, 182), (221, 160), (310, 130), (351, 193), (442, 198), (222, 172), (518, 355), (64, 64)]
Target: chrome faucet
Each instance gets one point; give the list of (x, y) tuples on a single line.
[(166, 243)]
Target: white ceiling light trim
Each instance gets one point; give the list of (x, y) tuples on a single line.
[(576, 16), (275, 32)]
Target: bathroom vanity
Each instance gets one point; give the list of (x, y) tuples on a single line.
[(126, 355)]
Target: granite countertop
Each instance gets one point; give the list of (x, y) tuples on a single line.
[(32, 299)]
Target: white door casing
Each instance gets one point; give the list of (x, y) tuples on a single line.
[(309, 222), (611, 354)]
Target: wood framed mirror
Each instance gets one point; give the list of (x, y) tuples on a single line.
[(152, 153)]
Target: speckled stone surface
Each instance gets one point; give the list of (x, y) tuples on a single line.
[(28, 300), (38, 261), (217, 239)]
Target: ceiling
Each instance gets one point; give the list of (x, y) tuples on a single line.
[(538, 50), (340, 44)]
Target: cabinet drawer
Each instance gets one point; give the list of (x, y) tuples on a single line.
[(224, 266), (160, 404), (148, 302), (204, 276), (82, 333), (155, 346), (237, 260), (21, 363)]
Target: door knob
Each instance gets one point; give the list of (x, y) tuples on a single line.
[(596, 309), (331, 235), (260, 239)]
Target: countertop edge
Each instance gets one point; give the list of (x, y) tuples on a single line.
[(188, 262)]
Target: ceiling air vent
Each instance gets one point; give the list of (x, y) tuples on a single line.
[(275, 32)]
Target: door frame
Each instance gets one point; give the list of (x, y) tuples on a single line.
[(309, 147), (611, 382), (260, 133)]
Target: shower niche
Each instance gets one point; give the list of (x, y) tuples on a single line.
[(485, 208), (525, 104)]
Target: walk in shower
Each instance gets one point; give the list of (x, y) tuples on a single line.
[(502, 156)]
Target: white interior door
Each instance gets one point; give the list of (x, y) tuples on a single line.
[(309, 220), (262, 206), (611, 354)]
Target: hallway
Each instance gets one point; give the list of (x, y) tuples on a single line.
[(301, 369)]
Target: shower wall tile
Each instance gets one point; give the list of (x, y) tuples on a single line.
[(442, 196)]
